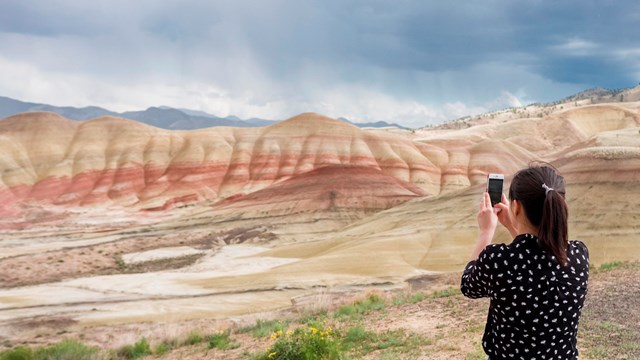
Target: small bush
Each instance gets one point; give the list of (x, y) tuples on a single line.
[(357, 334), (135, 351), (371, 303), (162, 348), (401, 341), (445, 293), (19, 353), (416, 298), (221, 340), (304, 343), (67, 349), (194, 337), (406, 298), (63, 350), (610, 266), (264, 328), (359, 340), (312, 317), (120, 264)]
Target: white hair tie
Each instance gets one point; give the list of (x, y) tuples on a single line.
[(546, 189)]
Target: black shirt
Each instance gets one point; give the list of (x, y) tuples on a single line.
[(535, 302)]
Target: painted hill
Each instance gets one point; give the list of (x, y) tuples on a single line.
[(305, 207), (117, 162), (112, 161)]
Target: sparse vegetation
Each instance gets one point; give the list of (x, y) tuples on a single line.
[(352, 331), (162, 348), (135, 351), (372, 302), (609, 339), (400, 341), (156, 265), (66, 349), (264, 328), (445, 293), (120, 264), (405, 298), (194, 337), (19, 353), (221, 340), (611, 265), (303, 343)]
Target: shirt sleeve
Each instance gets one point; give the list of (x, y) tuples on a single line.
[(476, 278)]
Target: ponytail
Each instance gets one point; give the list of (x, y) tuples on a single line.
[(553, 233), (545, 207)]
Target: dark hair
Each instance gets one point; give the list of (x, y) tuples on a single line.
[(541, 192)]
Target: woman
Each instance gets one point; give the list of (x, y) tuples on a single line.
[(537, 284)]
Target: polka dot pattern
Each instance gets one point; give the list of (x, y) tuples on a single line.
[(535, 302)]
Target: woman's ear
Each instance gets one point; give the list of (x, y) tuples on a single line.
[(516, 207)]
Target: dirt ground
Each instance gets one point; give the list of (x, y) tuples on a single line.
[(449, 325)]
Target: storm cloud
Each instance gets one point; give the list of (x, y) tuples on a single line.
[(411, 62)]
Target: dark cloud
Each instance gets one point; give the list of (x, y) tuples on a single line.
[(285, 50)]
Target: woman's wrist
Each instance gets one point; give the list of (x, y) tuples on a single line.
[(484, 239), (486, 235)]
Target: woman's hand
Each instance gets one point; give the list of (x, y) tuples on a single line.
[(503, 216), (487, 218), (487, 222)]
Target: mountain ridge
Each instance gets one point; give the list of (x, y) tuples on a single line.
[(164, 117)]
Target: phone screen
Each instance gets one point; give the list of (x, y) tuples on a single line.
[(495, 190)]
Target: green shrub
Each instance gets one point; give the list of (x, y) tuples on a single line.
[(64, 350), (68, 350), (445, 293), (390, 340), (221, 340), (357, 334), (162, 348), (135, 351), (193, 338), (264, 328), (358, 340), (370, 303), (416, 298), (610, 266), (120, 264), (405, 298), (311, 317), (304, 343), (19, 353)]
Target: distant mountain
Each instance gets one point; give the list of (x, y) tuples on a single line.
[(377, 124), (10, 107), (174, 119), (260, 122), (164, 117)]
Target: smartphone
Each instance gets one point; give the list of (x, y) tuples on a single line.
[(494, 187)]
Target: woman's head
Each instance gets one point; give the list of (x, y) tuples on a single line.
[(540, 192)]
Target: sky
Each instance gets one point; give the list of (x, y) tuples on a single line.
[(414, 63)]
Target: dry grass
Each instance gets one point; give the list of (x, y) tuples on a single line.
[(421, 324), (443, 324)]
